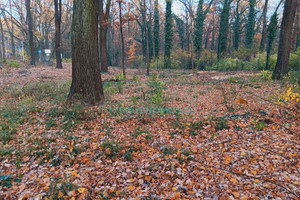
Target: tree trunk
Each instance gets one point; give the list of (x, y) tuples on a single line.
[(147, 40), (86, 75), (282, 65), (122, 38), (3, 41), (30, 30), (264, 32), (57, 5), (298, 30), (104, 21), (13, 46)]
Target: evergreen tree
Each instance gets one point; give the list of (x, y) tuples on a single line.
[(251, 24), (223, 30), (199, 25), (156, 30), (272, 29), (168, 34)]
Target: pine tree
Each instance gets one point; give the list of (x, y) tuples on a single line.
[(251, 24), (156, 31), (272, 29), (223, 30), (168, 34)]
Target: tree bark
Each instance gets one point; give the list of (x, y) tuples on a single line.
[(104, 22), (282, 65), (57, 5), (147, 40), (86, 75), (30, 31), (264, 31), (3, 41), (122, 38), (13, 46)]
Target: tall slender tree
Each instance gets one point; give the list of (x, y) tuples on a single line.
[(86, 74), (156, 31), (58, 11), (104, 23), (168, 34), (2, 41), (223, 30), (120, 2), (250, 31), (264, 30), (181, 31), (147, 39), (12, 32), (298, 29), (30, 32), (199, 25), (272, 29), (236, 40)]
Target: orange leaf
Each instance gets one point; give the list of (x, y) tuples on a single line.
[(241, 101)]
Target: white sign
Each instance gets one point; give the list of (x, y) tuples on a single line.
[(47, 51)]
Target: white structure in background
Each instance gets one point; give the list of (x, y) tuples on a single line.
[(48, 54)]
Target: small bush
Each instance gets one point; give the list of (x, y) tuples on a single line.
[(266, 75), (13, 64), (207, 58), (110, 149)]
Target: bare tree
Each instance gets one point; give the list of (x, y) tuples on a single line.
[(30, 32), (104, 22), (57, 5), (122, 37)]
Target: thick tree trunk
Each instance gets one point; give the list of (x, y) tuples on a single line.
[(264, 31), (86, 75), (122, 38), (57, 5), (282, 65), (30, 30), (3, 41)]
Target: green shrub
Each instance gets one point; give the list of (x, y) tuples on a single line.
[(13, 63), (138, 62), (67, 60), (157, 63), (295, 60), (245, 54), (207, 58), (266, 75), (181, 59)]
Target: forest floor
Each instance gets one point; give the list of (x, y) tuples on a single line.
[(182, 134)]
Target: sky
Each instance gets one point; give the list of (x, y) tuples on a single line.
[(177, 7)]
